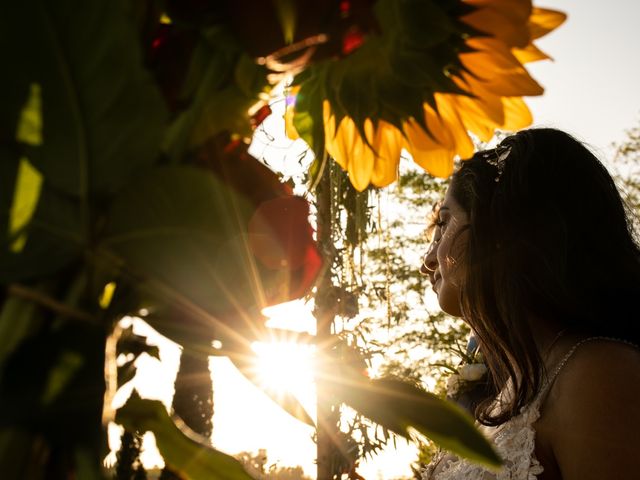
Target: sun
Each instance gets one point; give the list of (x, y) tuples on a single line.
[(284, 366)]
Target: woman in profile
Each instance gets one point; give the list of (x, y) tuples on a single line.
[(534, 249)]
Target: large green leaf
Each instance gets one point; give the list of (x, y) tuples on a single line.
[(308, 118), (400, 406), (423, 21), (181, 233), (19, 319), (103, 116), (224, 82), (180, 447), (53, 382), (49, 239)]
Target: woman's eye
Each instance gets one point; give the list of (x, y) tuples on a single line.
[(441, 224)]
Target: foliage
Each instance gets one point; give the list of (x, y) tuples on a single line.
[(256, 463), (193, 398), (128, 465), (180, 447), (117, 193), (399, 406), (395, 318), (626, 163), (382, 319)]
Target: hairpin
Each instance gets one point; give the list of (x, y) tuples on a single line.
[(497, 158)]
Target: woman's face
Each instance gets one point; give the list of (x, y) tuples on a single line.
[(443, 262)]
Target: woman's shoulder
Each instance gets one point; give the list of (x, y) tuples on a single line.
[(594, 406), (599, 358), (598, 367)]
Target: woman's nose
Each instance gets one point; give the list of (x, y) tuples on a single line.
[(429, 262)]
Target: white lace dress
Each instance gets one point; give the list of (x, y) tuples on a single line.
[(514, 440)]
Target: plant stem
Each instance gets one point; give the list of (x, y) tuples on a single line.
[(46, 301), (324, 313)]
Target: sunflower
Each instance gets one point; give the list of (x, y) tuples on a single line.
[(432, 75)]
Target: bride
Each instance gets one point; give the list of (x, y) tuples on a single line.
[(534, 249)]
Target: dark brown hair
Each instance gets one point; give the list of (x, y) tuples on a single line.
[(549, 239)]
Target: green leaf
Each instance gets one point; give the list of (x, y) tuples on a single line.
[(224, 83), (222, 110), (40, 229), (250, 77), (308, 116), (182, 235), (50, 371), (29, 128), (180, 447), (60, 375), (387, 14), (25, 201), (423, 22), (102, 115), (19, 319), (355, 93), (210, 69), (399, 406)]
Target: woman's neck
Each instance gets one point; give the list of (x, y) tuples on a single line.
[(550, 338)]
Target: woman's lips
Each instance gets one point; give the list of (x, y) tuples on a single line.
[(434, 283)]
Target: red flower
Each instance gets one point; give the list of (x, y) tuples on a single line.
[(281, 238), (279, 234), (352, 40)]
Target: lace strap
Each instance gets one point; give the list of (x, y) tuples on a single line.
[(556, 371)]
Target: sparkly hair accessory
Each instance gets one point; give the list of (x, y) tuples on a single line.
[(497, 158)]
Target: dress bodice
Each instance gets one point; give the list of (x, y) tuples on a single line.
[(514, 440)]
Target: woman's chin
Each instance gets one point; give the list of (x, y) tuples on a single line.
[(450, 306)]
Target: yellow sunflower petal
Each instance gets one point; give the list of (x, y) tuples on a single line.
[(499, 71), (346, 141), (474, 118), (543, 21), (361, 158), (388, 143), (530, 53), (501, 24), (438, 163), (417, 137), (330, 131), (438, 130), (516, 114), (426, 152), (446, 108), (482, 103), (517, 9)]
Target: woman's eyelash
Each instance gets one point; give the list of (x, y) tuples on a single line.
[(440, 223)]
